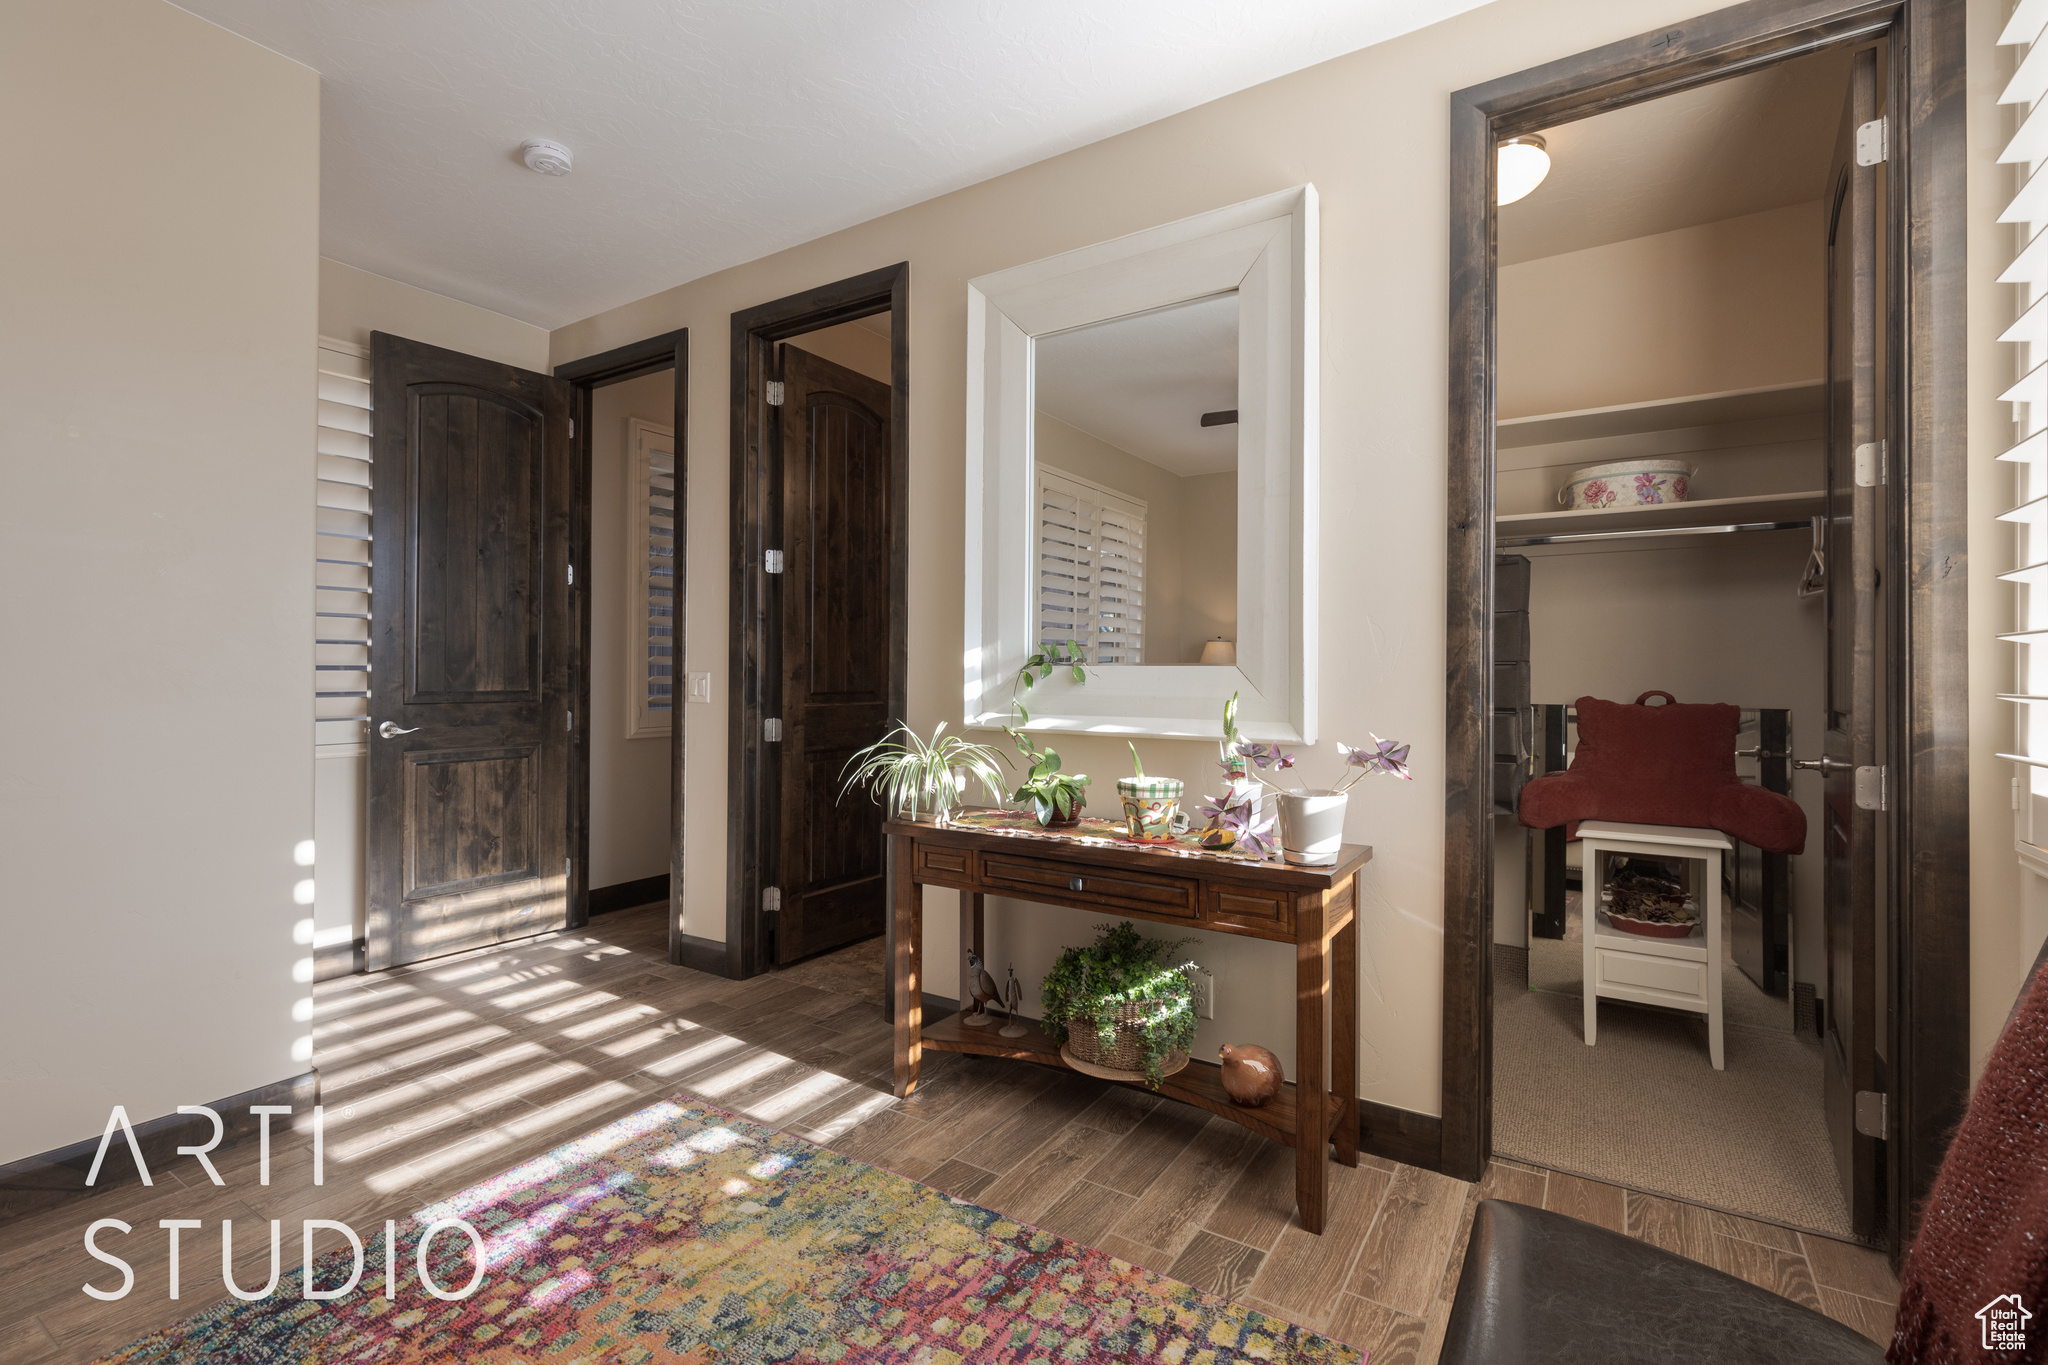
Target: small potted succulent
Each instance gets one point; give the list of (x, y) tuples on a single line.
[(1121, 1006), (1056, 798), (922, 779)]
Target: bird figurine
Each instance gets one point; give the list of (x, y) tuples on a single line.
[(1013, 1005), (981, 987), (1251, 1074)]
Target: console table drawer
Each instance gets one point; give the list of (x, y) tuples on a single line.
[(1249, 908), (1088, 886), (945, 866)]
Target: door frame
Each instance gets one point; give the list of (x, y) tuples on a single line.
[(1928, 1036), (754, 334), (669, 351)]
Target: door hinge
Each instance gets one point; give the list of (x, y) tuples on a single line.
[(771, 730), (1870, 464), (572, 575), (568, 869), (1870, 793), (771, 899), (1873, 1113), (775, 393), (569, 721), (773, 561), (1873, 142), (572, 428)]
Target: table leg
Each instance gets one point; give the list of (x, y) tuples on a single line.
[(970, 942), (1311, 1103), (1344, 1029), (1711, 867), (1589, 902), (906, 968)]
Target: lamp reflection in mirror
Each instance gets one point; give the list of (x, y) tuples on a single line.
[(1219, 651), (1523, 164)]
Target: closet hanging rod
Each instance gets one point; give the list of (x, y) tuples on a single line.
[(1517, 542)]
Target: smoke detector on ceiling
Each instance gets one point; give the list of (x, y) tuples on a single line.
[(549, 158)]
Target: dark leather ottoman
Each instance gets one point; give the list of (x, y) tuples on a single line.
[(1539, 1286)]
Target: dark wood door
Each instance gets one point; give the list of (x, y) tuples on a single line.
[(834, 674), (467, 833), (1852, 780)]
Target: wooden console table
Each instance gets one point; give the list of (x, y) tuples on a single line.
[(1313, 908)]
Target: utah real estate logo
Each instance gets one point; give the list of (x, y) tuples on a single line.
[(2005, 1323)]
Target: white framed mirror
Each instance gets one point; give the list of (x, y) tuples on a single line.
[(1141, 474)]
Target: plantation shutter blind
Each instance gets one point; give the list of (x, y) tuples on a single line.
[(341, 553), (651, 570), (1091, 568), (2028, 509)]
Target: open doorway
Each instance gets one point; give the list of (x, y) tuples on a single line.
[(1893, 1063), (819, 617), (631, 409), (1661, 514)]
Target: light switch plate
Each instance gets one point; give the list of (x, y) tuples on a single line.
[(700, 687)]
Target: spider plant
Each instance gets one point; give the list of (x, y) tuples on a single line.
[(908, 773)]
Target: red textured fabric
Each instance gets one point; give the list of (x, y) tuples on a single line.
[(1662, 765), (1984, 1229)]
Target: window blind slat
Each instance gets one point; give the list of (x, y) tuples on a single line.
[(341, 543), (346, 364), (351, 445)]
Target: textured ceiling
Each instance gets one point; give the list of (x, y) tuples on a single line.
[(1143, 382), (1739, 146), (711, 132)]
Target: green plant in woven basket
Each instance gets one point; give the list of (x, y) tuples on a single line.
[(1088, 988)]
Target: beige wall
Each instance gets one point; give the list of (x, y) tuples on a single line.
[(156, 414), (628, 777), (1369, 130), (856, 345), (1736, 304), (355, 303)]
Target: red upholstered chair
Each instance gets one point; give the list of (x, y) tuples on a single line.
[(1662, 765)]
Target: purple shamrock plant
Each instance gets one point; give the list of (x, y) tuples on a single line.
[(1246, 764), (1238, 812)]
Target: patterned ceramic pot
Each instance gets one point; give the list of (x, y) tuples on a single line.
[(1628, 483), (1151, 807)]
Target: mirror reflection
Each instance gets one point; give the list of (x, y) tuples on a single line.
[(1135, 514)]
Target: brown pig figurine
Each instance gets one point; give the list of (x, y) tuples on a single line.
[(1251, 1074)]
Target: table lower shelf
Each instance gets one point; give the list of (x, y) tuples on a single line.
[(1199, 1083)]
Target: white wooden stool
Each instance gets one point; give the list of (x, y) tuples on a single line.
[(1679, 973)]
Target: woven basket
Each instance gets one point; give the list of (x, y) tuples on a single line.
[(1128, 1053)]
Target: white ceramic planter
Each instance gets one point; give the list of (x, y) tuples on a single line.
[(1312, 826)]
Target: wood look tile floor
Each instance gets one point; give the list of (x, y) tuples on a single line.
[(438, 1075)]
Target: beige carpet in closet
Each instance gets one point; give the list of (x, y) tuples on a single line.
[(1644, 1108)]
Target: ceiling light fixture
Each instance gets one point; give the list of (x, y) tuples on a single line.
[(1523, 164), (549, 158)]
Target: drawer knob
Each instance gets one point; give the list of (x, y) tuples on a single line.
[(1073, 884)]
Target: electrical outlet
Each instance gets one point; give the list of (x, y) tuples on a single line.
[(1204, 983)]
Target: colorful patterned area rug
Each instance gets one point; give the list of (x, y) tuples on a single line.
[(687, 1234)]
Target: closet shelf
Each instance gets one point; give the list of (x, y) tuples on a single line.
[(1669, 516), (1660, 414)]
